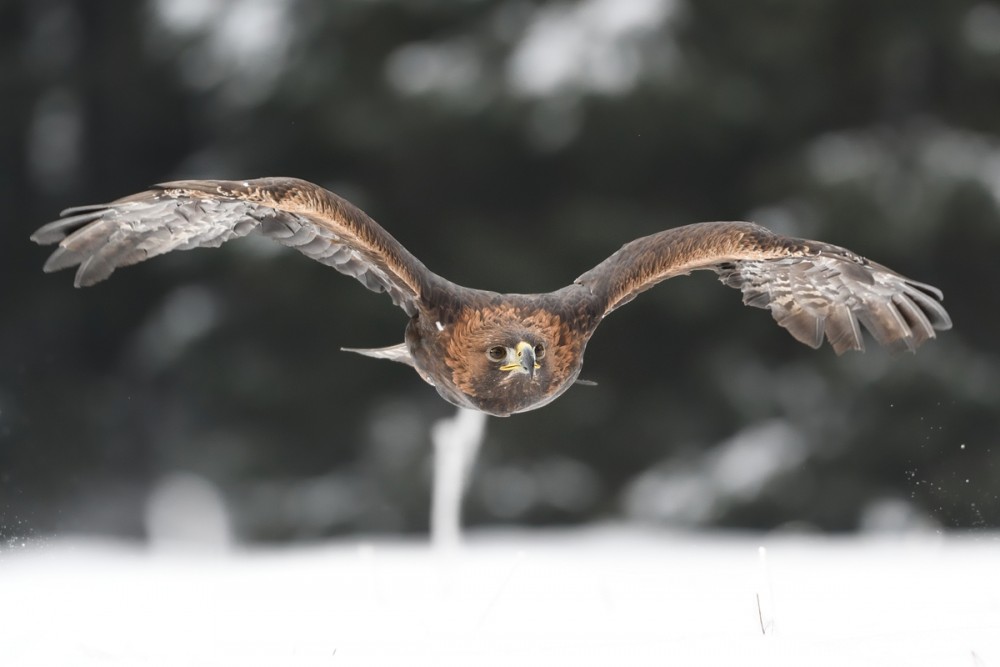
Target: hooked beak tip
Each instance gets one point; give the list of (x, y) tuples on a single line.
[(526, 357)]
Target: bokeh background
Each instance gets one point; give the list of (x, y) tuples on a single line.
[(461, 125)]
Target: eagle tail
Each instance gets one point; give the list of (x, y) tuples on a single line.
[(400, 353)]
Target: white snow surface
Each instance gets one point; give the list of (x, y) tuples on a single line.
[(609, 595)]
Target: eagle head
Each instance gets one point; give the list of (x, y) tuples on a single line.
[(504, 360)]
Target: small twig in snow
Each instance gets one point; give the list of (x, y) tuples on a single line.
[(765, 595)]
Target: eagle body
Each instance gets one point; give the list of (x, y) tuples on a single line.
[(504, 353), (446, 347)]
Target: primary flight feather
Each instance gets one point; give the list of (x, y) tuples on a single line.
[(503, 353)]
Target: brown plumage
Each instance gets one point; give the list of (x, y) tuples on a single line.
[(503, 353)]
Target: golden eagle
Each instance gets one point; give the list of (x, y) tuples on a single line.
[(503, 353)]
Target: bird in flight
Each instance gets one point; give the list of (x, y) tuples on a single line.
[(503, 353)]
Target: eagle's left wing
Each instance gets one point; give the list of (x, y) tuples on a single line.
[(811, 288), (192, 214)]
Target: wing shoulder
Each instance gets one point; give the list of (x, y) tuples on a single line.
[(646, 261)]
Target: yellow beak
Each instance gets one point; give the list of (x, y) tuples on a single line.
[(524, 359)]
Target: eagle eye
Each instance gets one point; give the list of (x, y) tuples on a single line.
[(539, 351), (497, 353)]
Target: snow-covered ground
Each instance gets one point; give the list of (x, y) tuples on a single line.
[(611, 595)]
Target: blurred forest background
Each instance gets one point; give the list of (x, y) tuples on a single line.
[(459, 125)]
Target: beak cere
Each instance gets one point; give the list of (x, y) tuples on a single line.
[(526, 358)]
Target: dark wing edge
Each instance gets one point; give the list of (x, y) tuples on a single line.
[(205, 214), (813, 289)]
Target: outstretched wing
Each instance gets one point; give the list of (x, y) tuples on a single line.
[(197, 214), (812, 289)]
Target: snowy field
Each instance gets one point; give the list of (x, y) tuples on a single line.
[(600, 596)]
